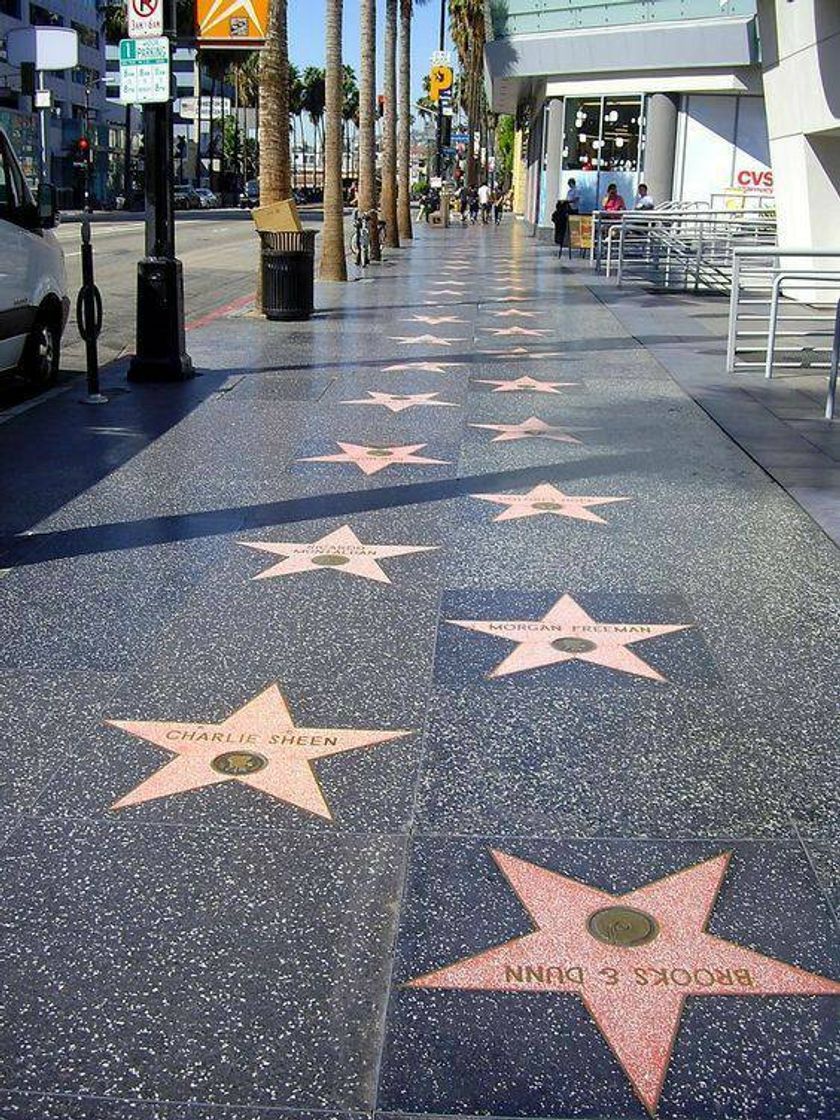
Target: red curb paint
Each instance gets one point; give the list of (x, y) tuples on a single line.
[(226, 309)]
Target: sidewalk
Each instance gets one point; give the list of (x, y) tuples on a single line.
[(416, 713)]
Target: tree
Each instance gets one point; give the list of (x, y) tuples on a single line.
[(367, 121), (504, 148), (296, 118), (350, 112), (275, 169), (333, 261), (314, 100), (468, 30), (389, 131), (404, 128)]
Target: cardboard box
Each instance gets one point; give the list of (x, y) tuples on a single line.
[(277, 217)]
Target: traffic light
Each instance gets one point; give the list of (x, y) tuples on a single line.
[(83, 155)]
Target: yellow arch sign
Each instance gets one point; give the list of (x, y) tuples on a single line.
[(231, 23)]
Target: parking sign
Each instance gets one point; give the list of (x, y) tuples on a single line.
[(145, 18)]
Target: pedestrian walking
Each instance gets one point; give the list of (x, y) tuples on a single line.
[(498, 206), (560, 221), (484, 202), (464, 203), (473, 205)]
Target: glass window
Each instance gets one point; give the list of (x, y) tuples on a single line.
[(620, 134), (602, 133), (582, 133)]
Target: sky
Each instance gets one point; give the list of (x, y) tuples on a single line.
[(306, 37)]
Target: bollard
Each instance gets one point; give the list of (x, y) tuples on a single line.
[(89, 316)]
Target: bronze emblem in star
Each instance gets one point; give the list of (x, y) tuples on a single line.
[(339, 551), (399, 402), (632, 958), (258, 745), (532, 428), (499, 332), (526, 385), (511, 311), (427, 367), (568, 633), (547, 499), (371, 460), (426, 339)]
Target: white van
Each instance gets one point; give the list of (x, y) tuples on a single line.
[(33, 282)]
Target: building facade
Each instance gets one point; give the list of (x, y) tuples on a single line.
[(668, 92), (79, 104)]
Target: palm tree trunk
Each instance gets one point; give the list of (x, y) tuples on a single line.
[(389, 139), (367, 121), (333, 261), (275, 177), (404, 125)]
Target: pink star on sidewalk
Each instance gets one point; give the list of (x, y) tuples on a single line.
[(526, 384), (400, 402), (434, 320), (547, 499), (500, 331), (370, 460), (513, 311), (339, 551), (430, 339), (532, 428), (258, 745), (448, 282), (427, 367), (568, 633), (632, 958)]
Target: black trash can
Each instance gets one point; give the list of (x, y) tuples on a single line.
[(288, 274)]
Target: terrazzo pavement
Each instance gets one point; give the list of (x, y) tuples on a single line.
[(223, 953)]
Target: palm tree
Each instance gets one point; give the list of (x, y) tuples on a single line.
[(349, 113), (295, 111), (469, 32), (333, 262), (314, 100), (367, 122), (389, 132), (404, 127), (275, 169)]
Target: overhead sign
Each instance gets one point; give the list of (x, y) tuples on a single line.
[(231, 23), (144, 71), (440, 80), (145, 19)]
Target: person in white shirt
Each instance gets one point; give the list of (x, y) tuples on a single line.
[(484, 202), (643, 199), (572, 196)]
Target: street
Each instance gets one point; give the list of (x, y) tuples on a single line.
[(218, 250)]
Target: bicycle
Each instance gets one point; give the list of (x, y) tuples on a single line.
[(360, 240)]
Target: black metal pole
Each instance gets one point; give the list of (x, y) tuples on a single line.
[(89, 316), (160, 352), (439, 137)]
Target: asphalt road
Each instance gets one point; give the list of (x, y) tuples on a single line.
[(219, 252)]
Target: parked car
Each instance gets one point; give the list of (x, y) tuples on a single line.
[(186, 198), (207, 198), (250, 196), (34, 304), (135, 200)]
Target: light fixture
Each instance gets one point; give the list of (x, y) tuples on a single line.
[(597, 145), (619, 142), (582, 137)]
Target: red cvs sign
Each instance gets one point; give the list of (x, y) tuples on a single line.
[(754, 180)]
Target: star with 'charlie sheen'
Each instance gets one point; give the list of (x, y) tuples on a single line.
[(370, 459), (258, 745), (547, 499), (632, 958), (568, 633), (339, 551)]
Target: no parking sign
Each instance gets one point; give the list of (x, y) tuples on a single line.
[(145, 19)]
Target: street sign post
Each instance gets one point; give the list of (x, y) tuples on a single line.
[(145, 19), (144, 71)]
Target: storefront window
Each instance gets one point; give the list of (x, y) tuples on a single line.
[(582, 133), (602, 144), (620, 134)]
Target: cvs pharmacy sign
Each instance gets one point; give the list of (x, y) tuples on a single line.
[(754, 180)]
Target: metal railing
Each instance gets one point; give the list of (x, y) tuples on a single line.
[(683, 250), (784, 316)]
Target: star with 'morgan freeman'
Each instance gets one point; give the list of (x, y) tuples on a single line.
[(427, 367), (396, 402), (547, 499), (526, 385), (430, 339), (258, 745), (339, 551), (532, 428), (370, 459), (568, 633), (632, 958)]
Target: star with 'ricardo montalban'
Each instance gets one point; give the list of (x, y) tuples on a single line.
[(434, 320), (258, 745), (426, 367), (339, 551), (547, 499), (399, 402), (526, 385), (430, 339), (568, 633), (370, 459), (498, 332), (532, 428), (632, 958)]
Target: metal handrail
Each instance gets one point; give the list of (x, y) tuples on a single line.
[(832, 278)]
